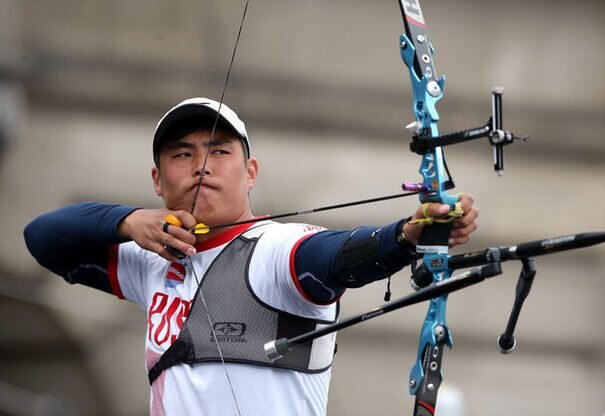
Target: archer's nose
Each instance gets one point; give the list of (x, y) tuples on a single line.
[(203, 166)]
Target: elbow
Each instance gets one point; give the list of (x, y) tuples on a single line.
[(37, 241), (30, 237)]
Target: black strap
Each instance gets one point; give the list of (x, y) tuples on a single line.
[(175, 354)]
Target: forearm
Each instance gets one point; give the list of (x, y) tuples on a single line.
[(335, 260), (76, 237)]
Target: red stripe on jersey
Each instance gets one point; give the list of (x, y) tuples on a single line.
[(294, 275), (112, 270)]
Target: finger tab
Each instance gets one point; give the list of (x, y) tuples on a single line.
[(173, 220)]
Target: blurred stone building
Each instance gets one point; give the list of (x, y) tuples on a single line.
[(325, 96)]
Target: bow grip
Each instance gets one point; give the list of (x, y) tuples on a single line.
[(434, 238)]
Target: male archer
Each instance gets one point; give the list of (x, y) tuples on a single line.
[(211, 310)]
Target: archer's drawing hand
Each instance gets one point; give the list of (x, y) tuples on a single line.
[(462, 227), (147, 228)]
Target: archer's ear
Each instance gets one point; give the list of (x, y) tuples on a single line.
[(157, 186), (252, 166)]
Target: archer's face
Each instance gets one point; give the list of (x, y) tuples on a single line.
[(227, 180)]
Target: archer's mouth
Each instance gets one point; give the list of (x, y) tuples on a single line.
[(203, 186)]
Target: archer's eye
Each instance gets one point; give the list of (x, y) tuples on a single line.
[(181, 155)]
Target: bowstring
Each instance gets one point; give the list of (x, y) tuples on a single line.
[(220, 105), (197, 191)]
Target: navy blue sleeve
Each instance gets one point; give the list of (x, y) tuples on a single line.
[(74, 241), (330, 261)]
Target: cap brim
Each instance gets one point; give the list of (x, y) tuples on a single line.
[(197, 115)]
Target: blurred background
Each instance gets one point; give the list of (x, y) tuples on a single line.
[(325, 97)]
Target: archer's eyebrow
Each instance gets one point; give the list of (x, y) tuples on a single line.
[(179, 144), (182, 144), (219, 141)]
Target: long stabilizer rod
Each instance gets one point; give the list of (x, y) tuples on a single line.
[(422, 277)]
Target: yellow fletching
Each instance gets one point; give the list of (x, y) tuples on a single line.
[(201, 229)]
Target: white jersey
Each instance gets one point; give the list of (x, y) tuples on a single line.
[(165, 290)]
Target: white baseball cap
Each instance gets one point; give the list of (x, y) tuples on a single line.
[(199, 112)]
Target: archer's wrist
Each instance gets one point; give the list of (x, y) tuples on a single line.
[(402, 238), (126, 225)]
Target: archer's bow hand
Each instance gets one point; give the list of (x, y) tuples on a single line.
[(151, 231), (463, 219)]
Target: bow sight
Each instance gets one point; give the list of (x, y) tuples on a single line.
[(423, 142)]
